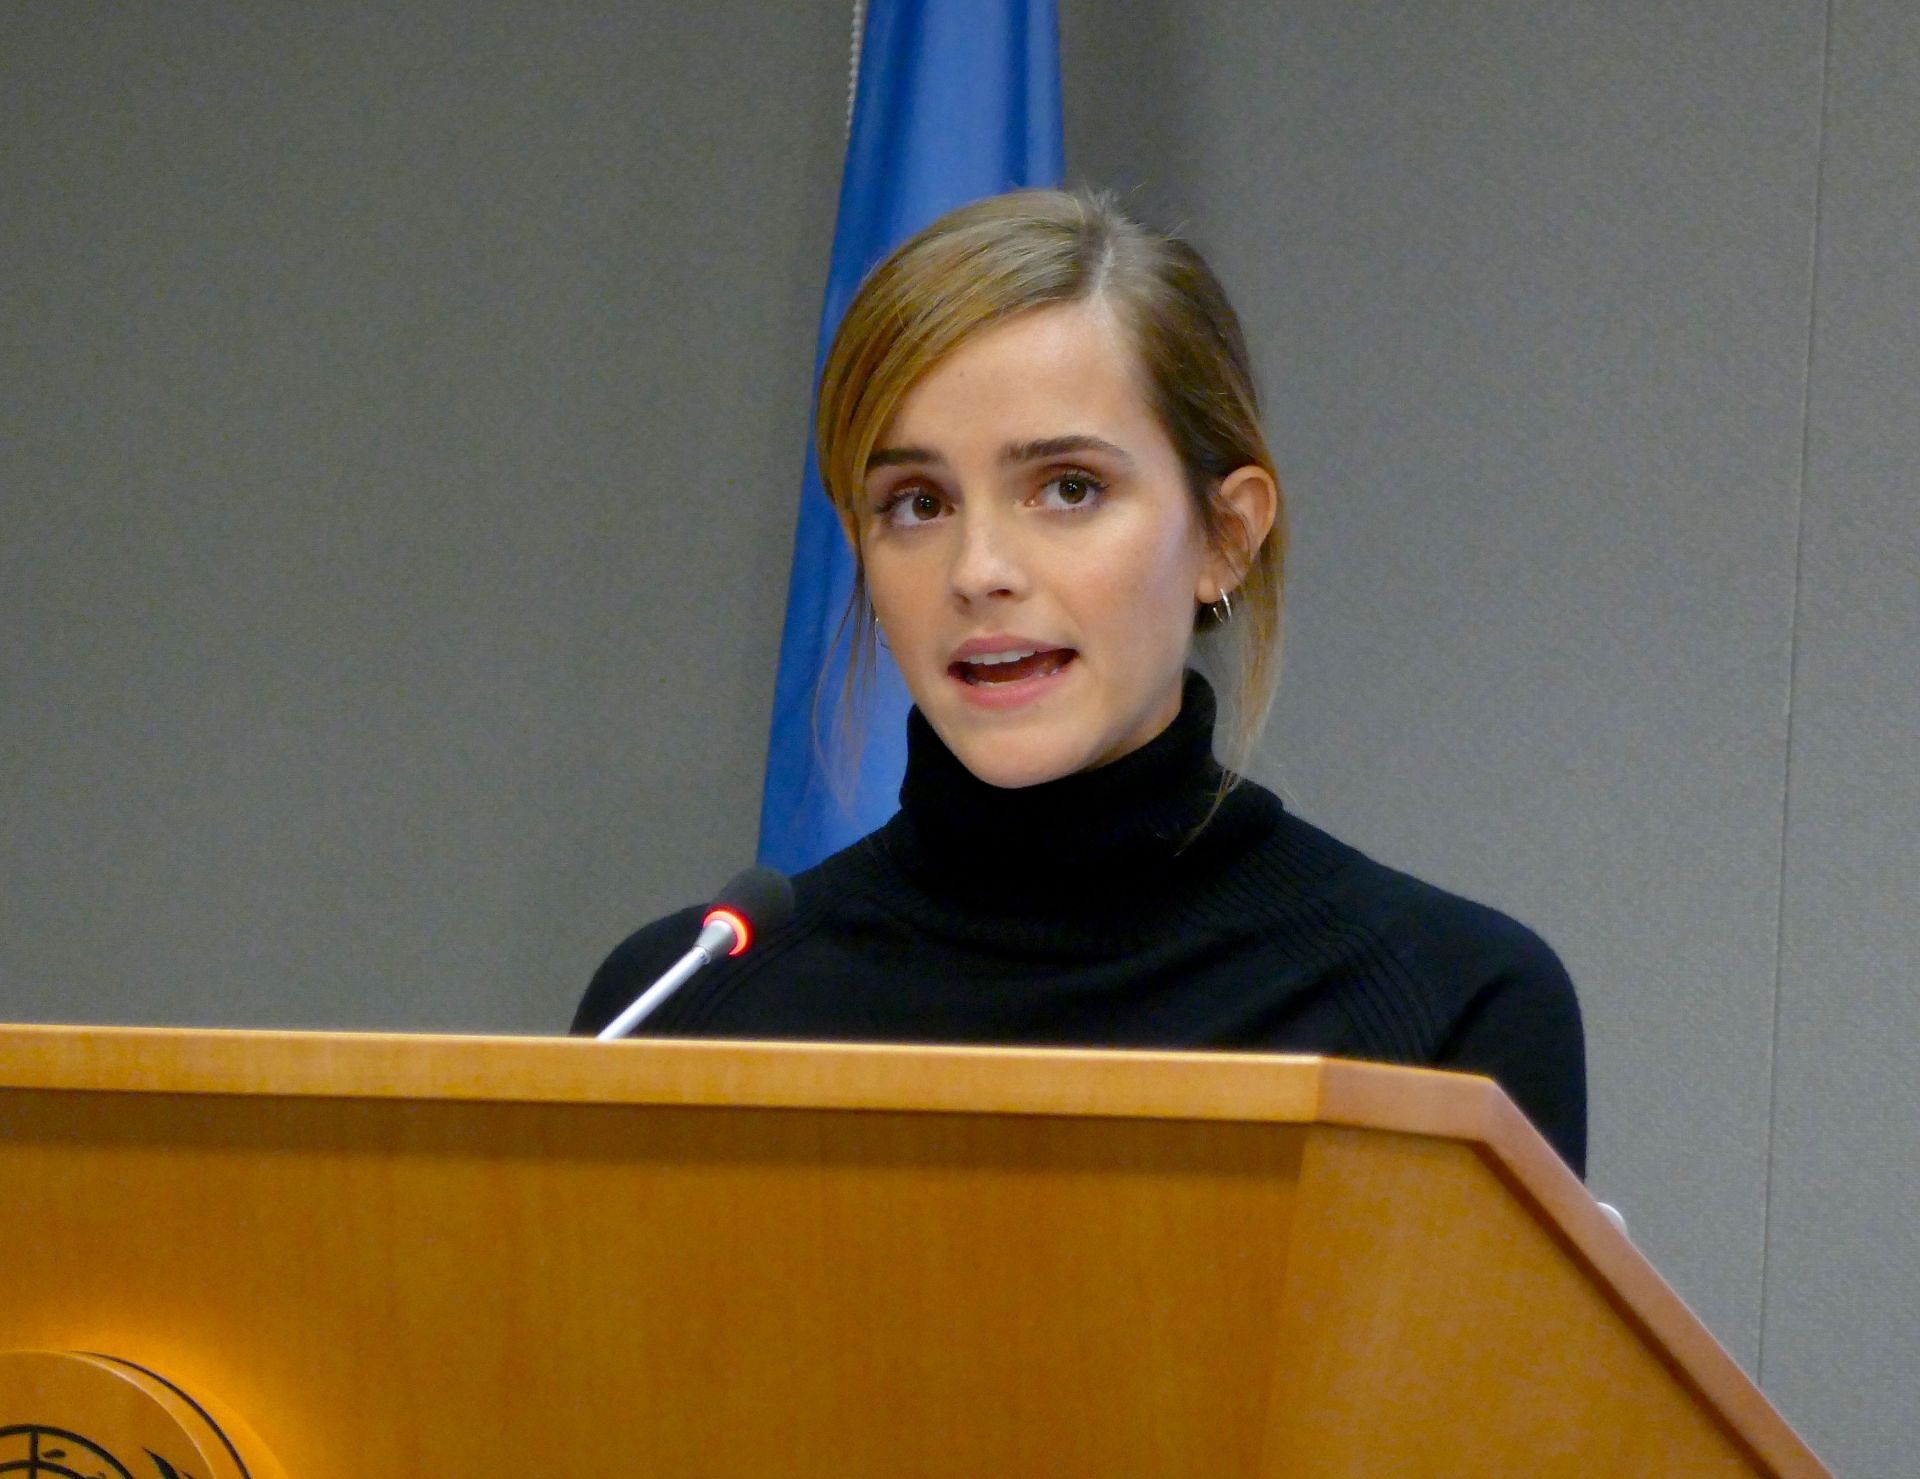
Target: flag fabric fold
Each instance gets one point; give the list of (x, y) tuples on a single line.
[(953, 100)]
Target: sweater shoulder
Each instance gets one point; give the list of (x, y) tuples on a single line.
[(1481, 991), (1439, 934), (634, 964), (646, 954)]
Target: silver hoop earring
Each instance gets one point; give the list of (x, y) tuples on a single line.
[(1222, 609)]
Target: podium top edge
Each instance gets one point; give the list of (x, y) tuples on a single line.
[(1072, 1082)]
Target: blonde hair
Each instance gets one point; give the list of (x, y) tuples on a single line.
[(1008, 254)]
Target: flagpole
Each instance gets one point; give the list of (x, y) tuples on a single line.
[(853, 58)]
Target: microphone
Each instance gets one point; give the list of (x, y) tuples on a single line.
[(753, 902)]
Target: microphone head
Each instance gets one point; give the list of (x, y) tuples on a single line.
[(754, 900)]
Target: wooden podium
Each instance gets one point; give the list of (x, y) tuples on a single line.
[(383, 1256)]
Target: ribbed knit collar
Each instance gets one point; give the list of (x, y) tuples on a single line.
[(1101, 832)]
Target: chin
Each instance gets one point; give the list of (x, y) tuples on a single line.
[(1013, 765)]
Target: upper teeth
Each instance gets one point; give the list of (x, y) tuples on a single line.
[(989, 659)]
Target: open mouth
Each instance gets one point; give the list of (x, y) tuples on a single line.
[(991, 669)]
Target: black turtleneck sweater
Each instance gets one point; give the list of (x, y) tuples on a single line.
[(1086, 912)]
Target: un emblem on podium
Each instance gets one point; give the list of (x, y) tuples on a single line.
[(36, 1451), (74, 1415)]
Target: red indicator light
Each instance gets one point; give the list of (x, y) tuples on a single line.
[(743, 934)]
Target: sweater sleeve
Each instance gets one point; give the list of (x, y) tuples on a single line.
[(1522, 1029), (1485, 995)]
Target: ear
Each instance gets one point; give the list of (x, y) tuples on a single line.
[(1250, 501)]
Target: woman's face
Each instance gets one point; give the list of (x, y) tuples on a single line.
[(1032, 551)]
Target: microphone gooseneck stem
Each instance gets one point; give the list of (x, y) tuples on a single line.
[(715, 938)]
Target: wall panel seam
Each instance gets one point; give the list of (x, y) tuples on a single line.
[(1793, 663)]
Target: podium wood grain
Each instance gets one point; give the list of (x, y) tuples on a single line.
[(400, 1255)]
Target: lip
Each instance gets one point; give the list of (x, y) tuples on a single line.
[(986, 646)]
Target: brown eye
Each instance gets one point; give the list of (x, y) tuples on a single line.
[(911, 506), (1072, 490)]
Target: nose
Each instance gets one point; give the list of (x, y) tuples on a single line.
[(986, 558)]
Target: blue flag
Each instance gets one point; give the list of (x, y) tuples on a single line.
[(955, 99)]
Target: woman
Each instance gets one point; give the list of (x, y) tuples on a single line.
[(1038, 425)]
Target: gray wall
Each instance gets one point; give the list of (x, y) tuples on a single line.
[(1842, 1309), (402, 420), (398, 453)]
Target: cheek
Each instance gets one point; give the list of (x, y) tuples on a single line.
[(877, 569), (900, 590), (888, 588), (1144, 583)]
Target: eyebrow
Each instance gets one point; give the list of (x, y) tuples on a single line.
[(1012, 453)]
